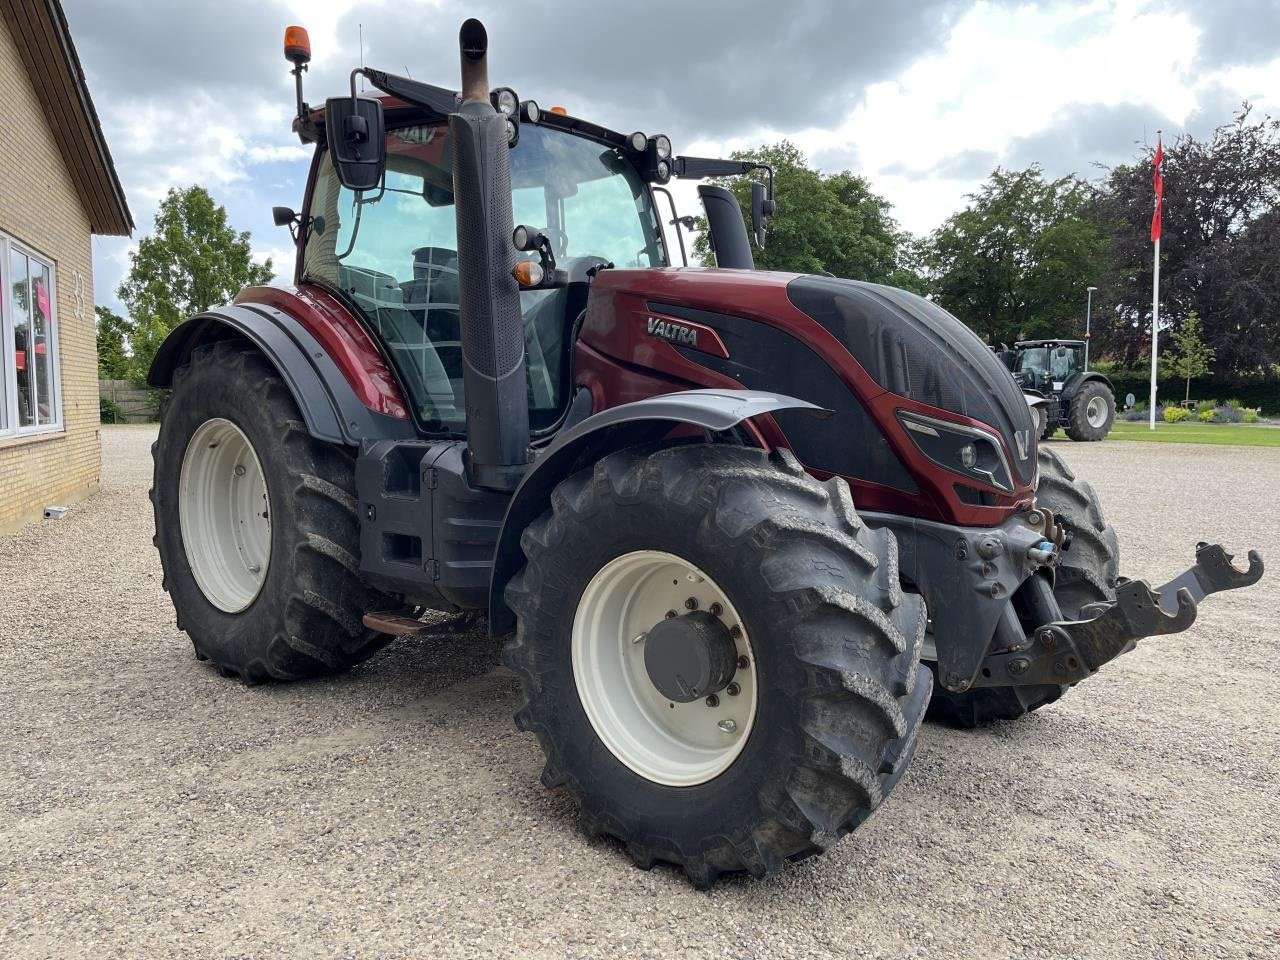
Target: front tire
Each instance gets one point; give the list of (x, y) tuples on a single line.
[(1087, 572), (1091, 413), (256, 525), (829, 645)]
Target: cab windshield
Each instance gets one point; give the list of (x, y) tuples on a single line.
[(393, 253), (1059, 362)]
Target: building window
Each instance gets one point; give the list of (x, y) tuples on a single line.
[(30, 395)]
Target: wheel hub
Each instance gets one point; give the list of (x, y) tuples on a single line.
[(225, 515), (672, 697), (690, 657)]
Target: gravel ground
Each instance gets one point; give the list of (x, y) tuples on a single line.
[(149, 808)]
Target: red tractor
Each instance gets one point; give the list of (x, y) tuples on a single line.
[(739, 530)]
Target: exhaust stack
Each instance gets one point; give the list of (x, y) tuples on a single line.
[(489, 297)]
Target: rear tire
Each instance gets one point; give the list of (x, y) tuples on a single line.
[(835, 654), (1091, 413), (304, 618), (1087, 572)]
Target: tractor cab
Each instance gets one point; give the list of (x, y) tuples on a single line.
[(384, 241), (1039, 364), (392, 255)]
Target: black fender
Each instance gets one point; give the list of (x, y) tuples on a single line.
[(330, 408), (1078, 380), (627, 425)]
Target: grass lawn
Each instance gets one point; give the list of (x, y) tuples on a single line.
[(1234, 434)]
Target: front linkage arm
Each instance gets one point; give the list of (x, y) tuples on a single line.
[(1068, 652)]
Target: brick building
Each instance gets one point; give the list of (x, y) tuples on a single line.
[(57, 187)]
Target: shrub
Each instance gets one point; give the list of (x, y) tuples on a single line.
[(108, 410), (1250, 415), (1228, 414), (1203, 406), (1233, 402), (1172, 414), (1205, 416)]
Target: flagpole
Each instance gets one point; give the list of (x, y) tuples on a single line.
[(1155, 328), (1156, 231)]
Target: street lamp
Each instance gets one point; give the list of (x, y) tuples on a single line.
[(1088, 317)]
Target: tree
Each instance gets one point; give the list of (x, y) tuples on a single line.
[(1218, 250), (1015, 262), (114, 362), (192, 261), (1192, 358), (833, 224)]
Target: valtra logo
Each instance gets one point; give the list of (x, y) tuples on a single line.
[(675, 332)]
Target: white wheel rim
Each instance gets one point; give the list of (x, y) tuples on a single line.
[(225, 515), (675, 744), (1096, 412)]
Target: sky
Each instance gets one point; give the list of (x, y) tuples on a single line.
[(923, 97)]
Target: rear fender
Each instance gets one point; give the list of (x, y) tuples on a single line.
[(330, 408), (623, 426)]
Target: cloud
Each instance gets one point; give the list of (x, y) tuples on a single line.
[(1084, 135), (706, 68), (924, 98), (1233, 31), (142, 49), (964, 165)]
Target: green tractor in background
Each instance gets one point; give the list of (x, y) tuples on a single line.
[(1075, 398)]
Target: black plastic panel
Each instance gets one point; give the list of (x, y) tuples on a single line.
[(762, 357), (916, 349)]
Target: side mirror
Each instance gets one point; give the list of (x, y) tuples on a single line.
[(762, 209), (357, 137)]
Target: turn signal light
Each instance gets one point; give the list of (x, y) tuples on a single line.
[(528, 273), (560, 110), (297, 45)]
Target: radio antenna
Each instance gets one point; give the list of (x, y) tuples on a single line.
[(360, 30)]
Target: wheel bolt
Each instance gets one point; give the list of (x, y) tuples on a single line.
[(728, 726), (671, 614), (733, 689), (743, 663), (715, 609), (736, 632), (239, 470), (713, 701), (691, 603)]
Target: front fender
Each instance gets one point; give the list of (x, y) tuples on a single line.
[(627, 425), (1089, 376)]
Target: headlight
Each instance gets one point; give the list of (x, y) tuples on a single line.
[(529, 111), (663, 145), (663, 171), (505, 101), (638, 141), (968, 451)]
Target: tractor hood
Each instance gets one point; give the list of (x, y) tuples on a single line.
[(914, 348)]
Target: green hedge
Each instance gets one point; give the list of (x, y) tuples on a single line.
[(1253, 393)]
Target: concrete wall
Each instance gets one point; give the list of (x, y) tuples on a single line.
[(40, 207)]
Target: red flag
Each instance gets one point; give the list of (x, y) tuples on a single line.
[(1159, 185)]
